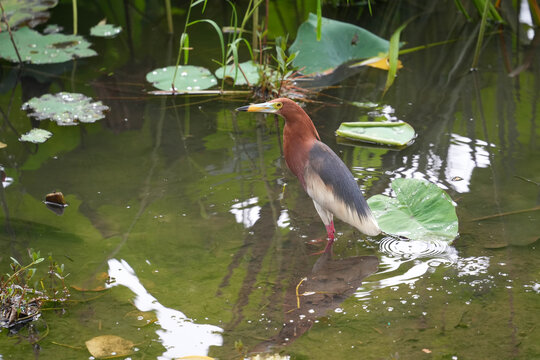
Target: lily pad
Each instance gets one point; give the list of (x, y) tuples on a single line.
[(43, 49), (26, 12), (109, 345), (387, 133), (105, 30), (420, 211), (188, 78), (340, 42), (36, 136), (65, 108), (249, 69)]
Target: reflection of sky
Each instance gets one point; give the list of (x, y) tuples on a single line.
[(179, 334), (246, 212), (525, 17), (463, 158)]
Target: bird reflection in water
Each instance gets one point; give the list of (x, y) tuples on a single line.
[(329, 284)]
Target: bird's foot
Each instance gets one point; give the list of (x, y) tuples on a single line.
[(327, 249)]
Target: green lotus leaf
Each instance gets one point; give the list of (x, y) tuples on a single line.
[(26, 12), (105, 30), (249, 68), (36, 136), (43, 49), (387, 133), (420, 211), (65, 108), (340, 42), (188, 78)]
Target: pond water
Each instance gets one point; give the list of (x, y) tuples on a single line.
[(189, 207)]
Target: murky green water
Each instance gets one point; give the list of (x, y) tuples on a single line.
[(191, 209)]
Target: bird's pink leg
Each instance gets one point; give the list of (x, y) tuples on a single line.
[(331, 237)]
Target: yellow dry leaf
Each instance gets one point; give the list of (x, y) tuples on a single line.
[(195, 357), (109, 345), (2, 145), (379, 62)]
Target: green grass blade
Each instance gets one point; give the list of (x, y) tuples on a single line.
[(221, 41), (461, 8), (319, 19), (481, 33), (393, 52)]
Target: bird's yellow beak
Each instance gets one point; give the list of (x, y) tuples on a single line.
[(267, 107)]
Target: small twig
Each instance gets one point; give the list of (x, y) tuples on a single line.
[(10, 34), (68, 346), (527, 180), (298, 296), (536, 208)]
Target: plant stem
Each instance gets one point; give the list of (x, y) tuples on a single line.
[(536, 208), (480, 35), (169, 16), (10, 34), (74, 2)]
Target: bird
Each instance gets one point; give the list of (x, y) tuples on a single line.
[(321, 172)]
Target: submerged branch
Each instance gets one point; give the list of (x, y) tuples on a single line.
[(536, 208)]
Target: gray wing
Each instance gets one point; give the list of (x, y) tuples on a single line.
[(330, 183)]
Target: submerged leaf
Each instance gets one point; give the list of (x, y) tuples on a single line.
[(420, 211), (66, 108), (26, 13), (249, 69), (43, 49), (36, 136), (109, 345), (188, 78), (340, 42), (387, 133), (105, 30)]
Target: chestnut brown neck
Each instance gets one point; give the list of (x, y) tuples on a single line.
[(299, 135)]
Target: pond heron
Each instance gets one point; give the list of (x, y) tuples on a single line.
[(323, 175)]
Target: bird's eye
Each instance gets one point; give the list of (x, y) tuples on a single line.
[(279, 105)]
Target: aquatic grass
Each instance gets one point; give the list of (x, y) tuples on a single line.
[(481, 33), (461, 8), (169, 16), (393, 52), (75, 16)]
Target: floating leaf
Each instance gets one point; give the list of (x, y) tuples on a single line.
[(249, 69), (36, 136), (109, 345), (188, 78), (2, 145), (66, 108), (26, 12), (105, 30), (340, 42), (420, 211), (43, 49), (387, 133)]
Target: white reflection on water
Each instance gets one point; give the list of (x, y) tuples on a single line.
[(246, 212), (525, 17), (417, 257), (464, 156), (179, 334)]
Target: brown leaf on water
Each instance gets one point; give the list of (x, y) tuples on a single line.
[(194, 357), (2, 145), (56, 198), (427, 351), (109, 345), (93, 284)]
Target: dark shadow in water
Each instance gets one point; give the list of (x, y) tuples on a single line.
[(321, 291)]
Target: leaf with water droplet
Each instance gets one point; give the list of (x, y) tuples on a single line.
[(65, 108), (36, 136), (249, 68), (105, 30), (26, 13), (420, 211), (386, 133), (36, 48), (188, 78)]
